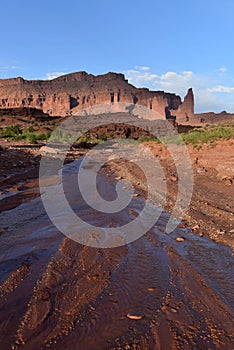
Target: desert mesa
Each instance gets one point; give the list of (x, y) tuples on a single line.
[(67, 94)]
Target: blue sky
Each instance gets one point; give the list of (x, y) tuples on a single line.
[(164, 45)]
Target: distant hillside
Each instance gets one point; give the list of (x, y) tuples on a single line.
[(207, 118)]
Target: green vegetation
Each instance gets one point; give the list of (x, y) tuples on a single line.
[(89, 140), (196, 137), (148, 138), (208, 135), (15, 132), (60, 135), (11, 132)]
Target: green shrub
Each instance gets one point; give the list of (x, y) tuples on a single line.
[(32, 138), (12, 132), (142, 139), (208, 135), (103, 138), (30, 129)]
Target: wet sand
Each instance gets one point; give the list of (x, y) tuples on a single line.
[(211, 211), (154, 293)]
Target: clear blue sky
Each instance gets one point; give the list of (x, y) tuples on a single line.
[(168, 45)]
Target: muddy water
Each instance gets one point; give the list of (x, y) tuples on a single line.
[(154, 293)]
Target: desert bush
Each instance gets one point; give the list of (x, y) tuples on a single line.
[(208, 135), (14, 132), (11, 132)]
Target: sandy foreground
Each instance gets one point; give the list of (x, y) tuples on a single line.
[(212, 205), (163, 291)]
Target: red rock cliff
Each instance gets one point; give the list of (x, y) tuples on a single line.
[(67, 94), (187, 107)]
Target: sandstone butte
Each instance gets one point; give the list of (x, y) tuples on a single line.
[(67, 94)]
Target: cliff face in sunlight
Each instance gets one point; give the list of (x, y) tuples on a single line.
[(67, 94)]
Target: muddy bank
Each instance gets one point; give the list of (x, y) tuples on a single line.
[(163, 291), (19, 171), (144, 296), (211, 211)]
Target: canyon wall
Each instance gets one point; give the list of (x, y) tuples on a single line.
[(66, 95)]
